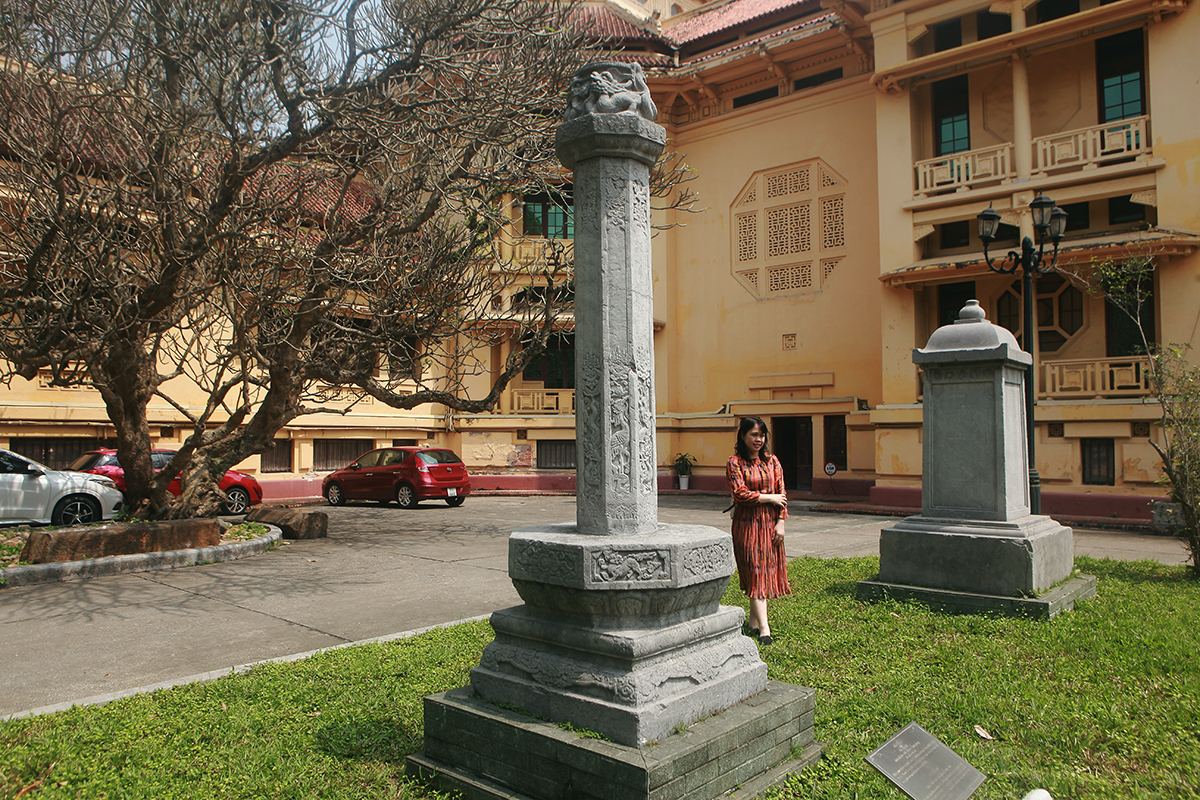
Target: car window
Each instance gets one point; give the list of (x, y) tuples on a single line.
[(10, 464), (159, 460), (439, 457), (394, 457), (371, 459), (92, 460)]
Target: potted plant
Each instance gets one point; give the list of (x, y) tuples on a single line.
[(682, 463)]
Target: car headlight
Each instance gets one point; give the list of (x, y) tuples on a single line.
[(108, 482)]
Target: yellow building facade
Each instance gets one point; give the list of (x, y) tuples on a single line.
[(842, 151)]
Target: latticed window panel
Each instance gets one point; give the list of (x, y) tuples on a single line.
[(747, 237), (833, 222), (828, 180), (793, 276), (782, 215), (751, 194), (750, 276), (788, 230), (783, 184)]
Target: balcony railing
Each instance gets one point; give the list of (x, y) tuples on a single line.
[(965, 170), (1088, 148), (543, 401), (1081, 149), (1089, 378)]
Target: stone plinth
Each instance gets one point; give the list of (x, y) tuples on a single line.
[(1023, 557), (484, 751), (975, 545), (622, 635)]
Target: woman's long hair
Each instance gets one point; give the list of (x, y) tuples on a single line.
[(745, 426)]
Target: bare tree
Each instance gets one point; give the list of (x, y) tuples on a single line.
[(258, 202), (1127, 283)]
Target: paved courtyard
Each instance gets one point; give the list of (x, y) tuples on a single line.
[(381, 571)]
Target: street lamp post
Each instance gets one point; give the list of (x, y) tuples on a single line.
[(1050, 222)]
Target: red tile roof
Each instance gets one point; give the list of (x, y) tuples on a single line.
[(817, 24), (603, 23), (728, 15)]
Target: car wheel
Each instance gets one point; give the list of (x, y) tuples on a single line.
[(237, 500), (455, 502), (76, 511), (334, 494), (406, 496)]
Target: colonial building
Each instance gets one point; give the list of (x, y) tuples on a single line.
[(842, 151)]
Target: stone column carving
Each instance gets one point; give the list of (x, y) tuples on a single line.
[(611, 142)]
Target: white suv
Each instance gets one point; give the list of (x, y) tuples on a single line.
[(31, 492)]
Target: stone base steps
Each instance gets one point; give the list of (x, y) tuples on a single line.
[(492, 753)]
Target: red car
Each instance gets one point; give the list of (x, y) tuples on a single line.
[(407, 474), (241, 490)]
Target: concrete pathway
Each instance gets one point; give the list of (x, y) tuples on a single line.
[(382, 571)]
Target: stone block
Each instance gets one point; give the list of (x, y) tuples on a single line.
[(295, 523), (76, 544), (1014, 559), (685, 765), (1046, 606)]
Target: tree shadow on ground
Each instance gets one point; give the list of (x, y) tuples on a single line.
[(1137, 571)]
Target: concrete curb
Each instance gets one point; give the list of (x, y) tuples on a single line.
[(31, 574), (101, 699)]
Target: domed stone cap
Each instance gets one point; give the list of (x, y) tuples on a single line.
[(971, 331)]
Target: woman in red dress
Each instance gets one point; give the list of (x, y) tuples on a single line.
[(759, 509)]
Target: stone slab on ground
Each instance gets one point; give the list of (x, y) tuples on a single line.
[(294, 522), (491, 753), (119, 539), (1046, 606)]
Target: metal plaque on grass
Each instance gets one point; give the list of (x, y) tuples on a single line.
[(923, 767)]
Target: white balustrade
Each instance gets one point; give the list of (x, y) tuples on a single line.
[(1088, 148), (1080, 149), (543, 401), (1088, 378), (965, 170)]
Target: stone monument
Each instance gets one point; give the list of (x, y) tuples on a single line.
[(621, 631), (975, 547)]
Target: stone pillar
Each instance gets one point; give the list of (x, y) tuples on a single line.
[(621, 631), (975, 546), (616, 471)]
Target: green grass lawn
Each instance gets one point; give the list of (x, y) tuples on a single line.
[(1103, 702)]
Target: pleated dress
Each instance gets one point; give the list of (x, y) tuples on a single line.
[(761, 564)]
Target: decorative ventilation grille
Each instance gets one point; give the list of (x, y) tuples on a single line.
[(827, 267), (785, 183), (833, 222), (789, 341), (793, 276), (788, 230), (747, 237)]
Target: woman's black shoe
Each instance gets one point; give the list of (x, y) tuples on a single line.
[(765, 640), (748, 631)]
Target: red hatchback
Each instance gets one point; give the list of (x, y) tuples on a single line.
[(241, 490), (406, 474)]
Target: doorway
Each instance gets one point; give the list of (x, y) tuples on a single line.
[(793, 445)]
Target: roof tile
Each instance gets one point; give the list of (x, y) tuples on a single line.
[(727, 15)]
